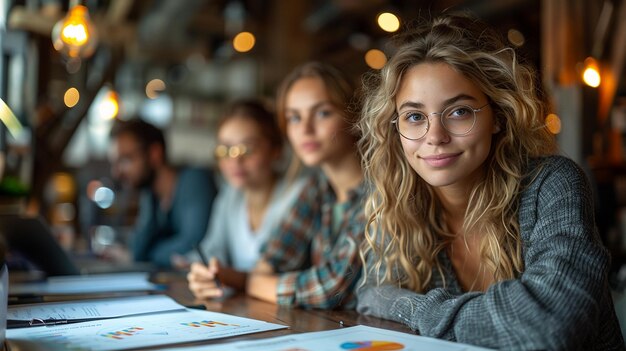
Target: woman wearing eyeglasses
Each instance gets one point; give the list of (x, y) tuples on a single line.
[(476, 231), (312, 259), (256, 194)]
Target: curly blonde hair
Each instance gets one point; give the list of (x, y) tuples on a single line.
[(405, 232)]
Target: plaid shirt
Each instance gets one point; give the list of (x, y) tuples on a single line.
[(318, 268)]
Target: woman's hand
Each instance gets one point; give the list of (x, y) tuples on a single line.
[(203, 281)]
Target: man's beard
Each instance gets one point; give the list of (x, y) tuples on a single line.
[(147, 180)]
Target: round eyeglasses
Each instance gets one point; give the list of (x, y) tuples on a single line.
[(458, 120), (234, 151)]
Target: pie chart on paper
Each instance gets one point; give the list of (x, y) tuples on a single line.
[(371, 346)]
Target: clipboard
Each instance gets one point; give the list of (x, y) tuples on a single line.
[(61, 313)]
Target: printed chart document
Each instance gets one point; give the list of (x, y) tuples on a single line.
[(134, 332), (86, 284), (71, 311), (359, 338)]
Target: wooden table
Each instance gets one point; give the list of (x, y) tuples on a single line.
[(298, 320)]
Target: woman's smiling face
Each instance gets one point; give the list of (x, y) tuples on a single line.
[(439, 157)]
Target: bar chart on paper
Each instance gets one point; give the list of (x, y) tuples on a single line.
[(141, 331)]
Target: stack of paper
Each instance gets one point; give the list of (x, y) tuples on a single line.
[(90, 284), (118, 324)]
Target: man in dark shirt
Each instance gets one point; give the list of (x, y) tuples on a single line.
[(174, 204)]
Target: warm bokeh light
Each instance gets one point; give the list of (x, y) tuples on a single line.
[(63, 186), (71, 97), (75, 35), (516, 37), (244, 42), (553, 123), (388, 22), (10, 120), (109, 106), (154, 87), (375, 58), (591, 73)]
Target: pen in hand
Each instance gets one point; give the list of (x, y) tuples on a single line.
[(205, 261)]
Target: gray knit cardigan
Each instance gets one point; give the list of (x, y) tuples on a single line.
[(562, 299)]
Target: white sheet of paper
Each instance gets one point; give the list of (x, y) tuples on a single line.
[(103, 308), (85, 284), (345, 339), (142, 331)]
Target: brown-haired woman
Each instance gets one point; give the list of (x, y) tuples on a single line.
[(312, 259)]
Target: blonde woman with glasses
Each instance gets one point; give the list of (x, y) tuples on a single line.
[(477, 232)]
